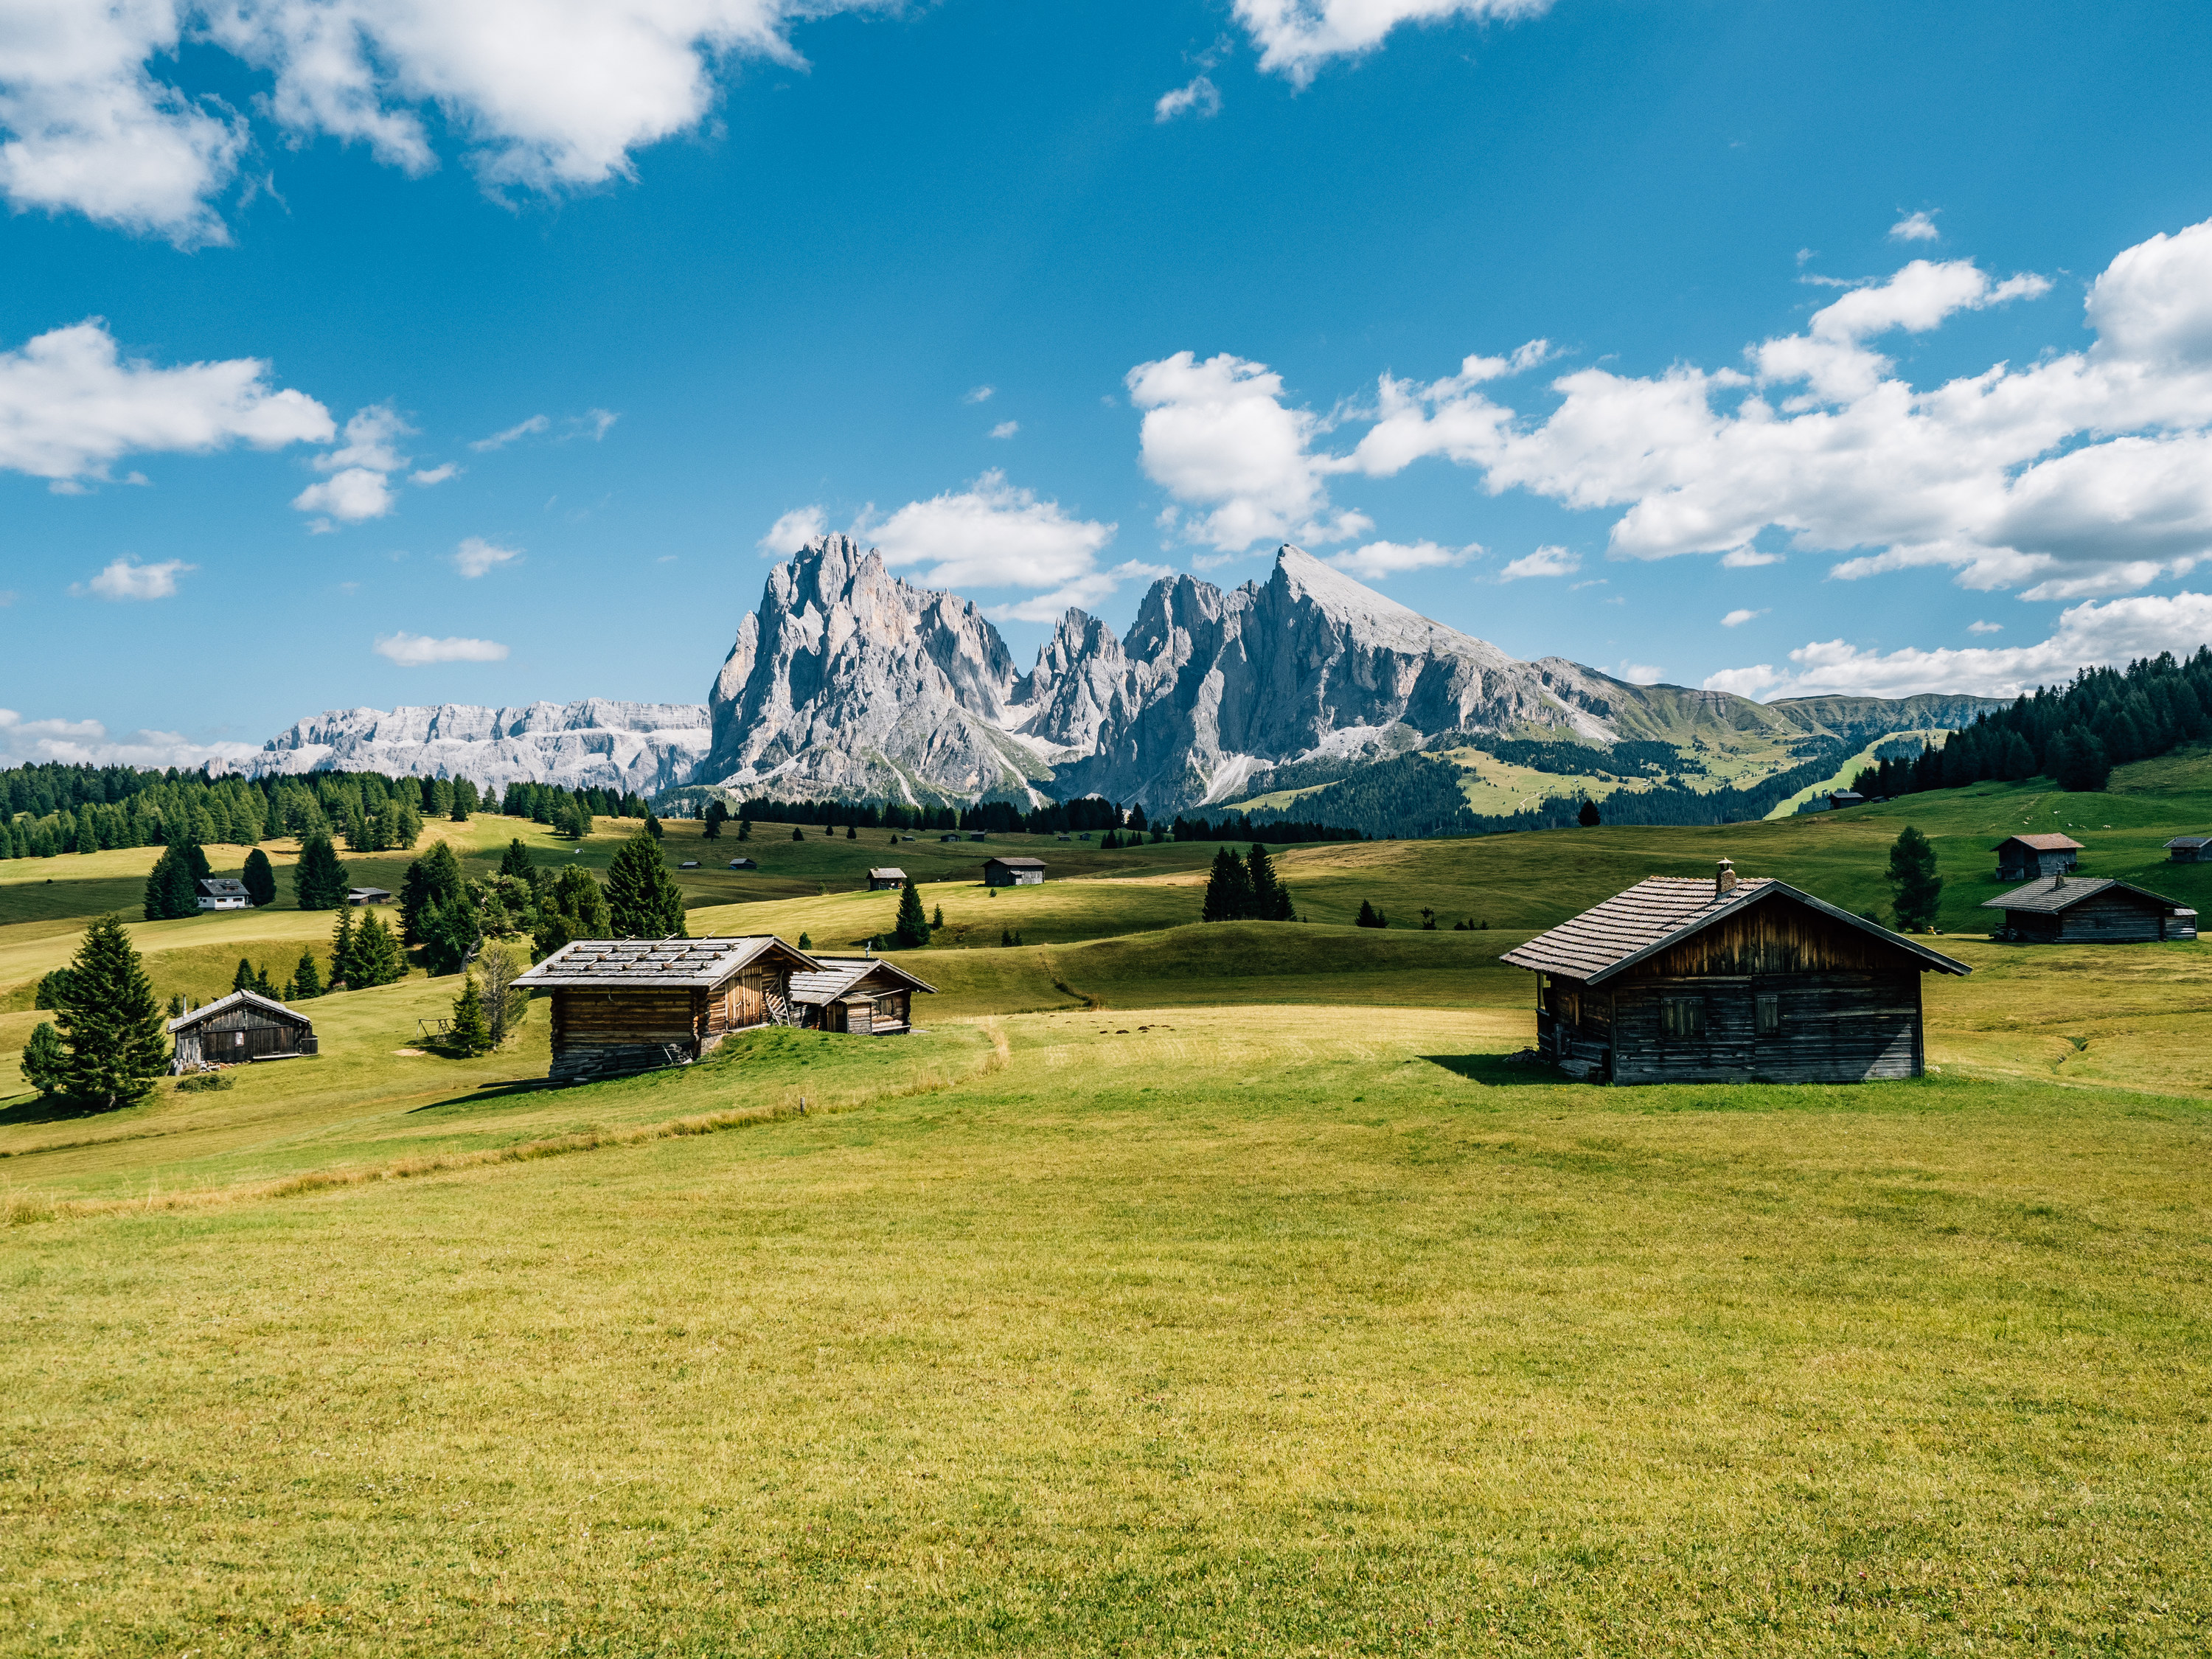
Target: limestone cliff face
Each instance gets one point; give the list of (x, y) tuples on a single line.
[(594, 743)]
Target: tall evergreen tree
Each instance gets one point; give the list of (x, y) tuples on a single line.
[(2078, 761), (911, 931), (243, 979), (574, 907), (87, 842), (717, 816), (1913, 880), (1589, 817), (434, 880), (46, 1062), (652, 827), (470, 1032), (319, 880), (1270, 899), (112, 1027), (642, 900), (515, 861), (1227, 889), (376, 958), (1368, 916), (171, 893), (306, 982), (342, 969), (260, 879)]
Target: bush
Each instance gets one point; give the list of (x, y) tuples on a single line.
[(205, 1083)]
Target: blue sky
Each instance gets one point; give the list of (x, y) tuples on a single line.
[(1584, 327)]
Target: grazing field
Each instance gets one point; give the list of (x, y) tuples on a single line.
[(1175, 1289)]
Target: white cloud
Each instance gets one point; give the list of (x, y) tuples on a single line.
[(1544, 562), (793, 532), (991, 535), (353, 496), (70, 407), (127, 579), (86, 743), (1296, 38), (436, 475), (1197, 97), (2087, 636), (1379, 560), (978, 394), (1080, 594), (548, 99), (1738, 619), (592, 424), (370, 437), (476, 555), (1215, 434), (415, 650), (1006, 428), (1638, 673), (530, 427), (1748, 558), (1984, 628), (1915, 227)]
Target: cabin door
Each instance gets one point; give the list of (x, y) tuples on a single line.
[(1769, 1042)]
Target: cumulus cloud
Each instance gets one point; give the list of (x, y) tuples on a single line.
[(86, 743), (1984, 628), (72, 405), (2087, 636), (127, 579), (1638, 674), (370, 440), (1298, 38), (1544, 562), (436, 475), (1006, 428), (992, 534), (530, 427), (793, 532), (1377, 561), (1080, 595), (1197, 97), (416, 650), (1217, 434), (1738, 619), (1915, 227), (546, 98), (353, 496), (476, 555)]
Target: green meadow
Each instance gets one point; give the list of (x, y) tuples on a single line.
[(1177, 1290)]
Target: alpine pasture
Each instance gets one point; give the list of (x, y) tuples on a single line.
[(1178, 1289)]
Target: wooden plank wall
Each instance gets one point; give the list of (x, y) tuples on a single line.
[(599, 1018), (1835, 1028), (1777, 939)]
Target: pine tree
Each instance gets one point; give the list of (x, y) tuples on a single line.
[(260, 879), (1913, 880), (46, 1062), (1270, 899), (652, 827), (936, 920), (376, 958), (319, 880), (170, 892), (55, 988), (342, 964), (717, 816), (574, 907), (1227, 889), (642, 900), (911, 931), (243, 980), (434, 880), (1368, 916), (469, 1032), (797, 834), (1588, 817), (744, 828), (86, 841), (1005, 937), (447, 931), (2078, 761), (515, 861), (306, 984), (806, 941), (112, 1027)]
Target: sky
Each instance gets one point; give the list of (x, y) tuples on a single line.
[(370, 352)]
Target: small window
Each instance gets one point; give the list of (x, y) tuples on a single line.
[(1682, 1016), (1770, 1015)]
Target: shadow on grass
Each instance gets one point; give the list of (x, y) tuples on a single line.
[(48, 1108), (489, 1092), (1497, 1072)]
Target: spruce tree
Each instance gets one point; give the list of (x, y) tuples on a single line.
[(642, 900), (448, 933), (46, 1062), (744, 828), (574, 907), (1227, 889), (653, 826), (2078, 761), (1368, 916), (86, 841), (1270, 899), (1913, 880), (1589, 817), (911, 931), (469, 1032), (806, 941), (434, 880), (515, 861), (170, 890), (306, 984), (341, 967), (112, 1027), (319, 880), (376, 958), (260, 879), (243, 980)]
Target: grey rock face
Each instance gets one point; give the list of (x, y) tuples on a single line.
[(594, 743)]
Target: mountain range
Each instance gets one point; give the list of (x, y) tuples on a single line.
[(847, 682)]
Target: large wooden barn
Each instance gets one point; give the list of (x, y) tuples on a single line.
[(866, 996), (234, 1030), (2020, 858), (1728, 981), (2089, 910), (632, 1005)]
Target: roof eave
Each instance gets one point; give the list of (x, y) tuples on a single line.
[(1767, 888)]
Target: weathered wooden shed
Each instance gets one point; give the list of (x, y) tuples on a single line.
[(863, 996), (2021, 858), (240, 1027), (2189, 849), (2089, 910), (633, 1004), (358, 896), (888, 877), (1728, 981), (1013, 872)]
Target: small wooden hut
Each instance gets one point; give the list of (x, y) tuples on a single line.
[(1728, 981), (2023, 858), (633, 1004), (358, 896), (884, 879), (1013, 872), (863, 996), (2089, 910), (2189, 849), (234, 1030)]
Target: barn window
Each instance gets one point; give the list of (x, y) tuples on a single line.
[(1770, 1015), (1682, 1016)]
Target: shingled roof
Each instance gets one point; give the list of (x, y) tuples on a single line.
[(1655, 914), (2051, 894), (670, 963), (838, 975), (2192, 842), (237, 999), (2042, 843)]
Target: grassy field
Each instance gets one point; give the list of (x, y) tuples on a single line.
[(1177, 1290)]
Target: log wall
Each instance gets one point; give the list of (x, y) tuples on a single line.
[(2109, 918)]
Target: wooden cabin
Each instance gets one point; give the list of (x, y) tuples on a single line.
[(224, 893), (1728, 981), (1013, 873), (2089, 910), (2189, 849), (885, 879), (863, 996), (2023, 858), (742, 864), (633, 1005), (234, 1030), (368, 896)]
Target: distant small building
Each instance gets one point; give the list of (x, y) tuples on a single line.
[(224, 893), (689, 864), (979, 836), (368, 896), (240, 1027), (864, 996), (1839, 798), (742, 864), (1013, 873), (2189, 849), (2089, 910), (635, 1005), (945, 838), (2023, 858), (886, 877), (1682, 981)]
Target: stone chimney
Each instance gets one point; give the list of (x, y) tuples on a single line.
[(1724, 880)]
